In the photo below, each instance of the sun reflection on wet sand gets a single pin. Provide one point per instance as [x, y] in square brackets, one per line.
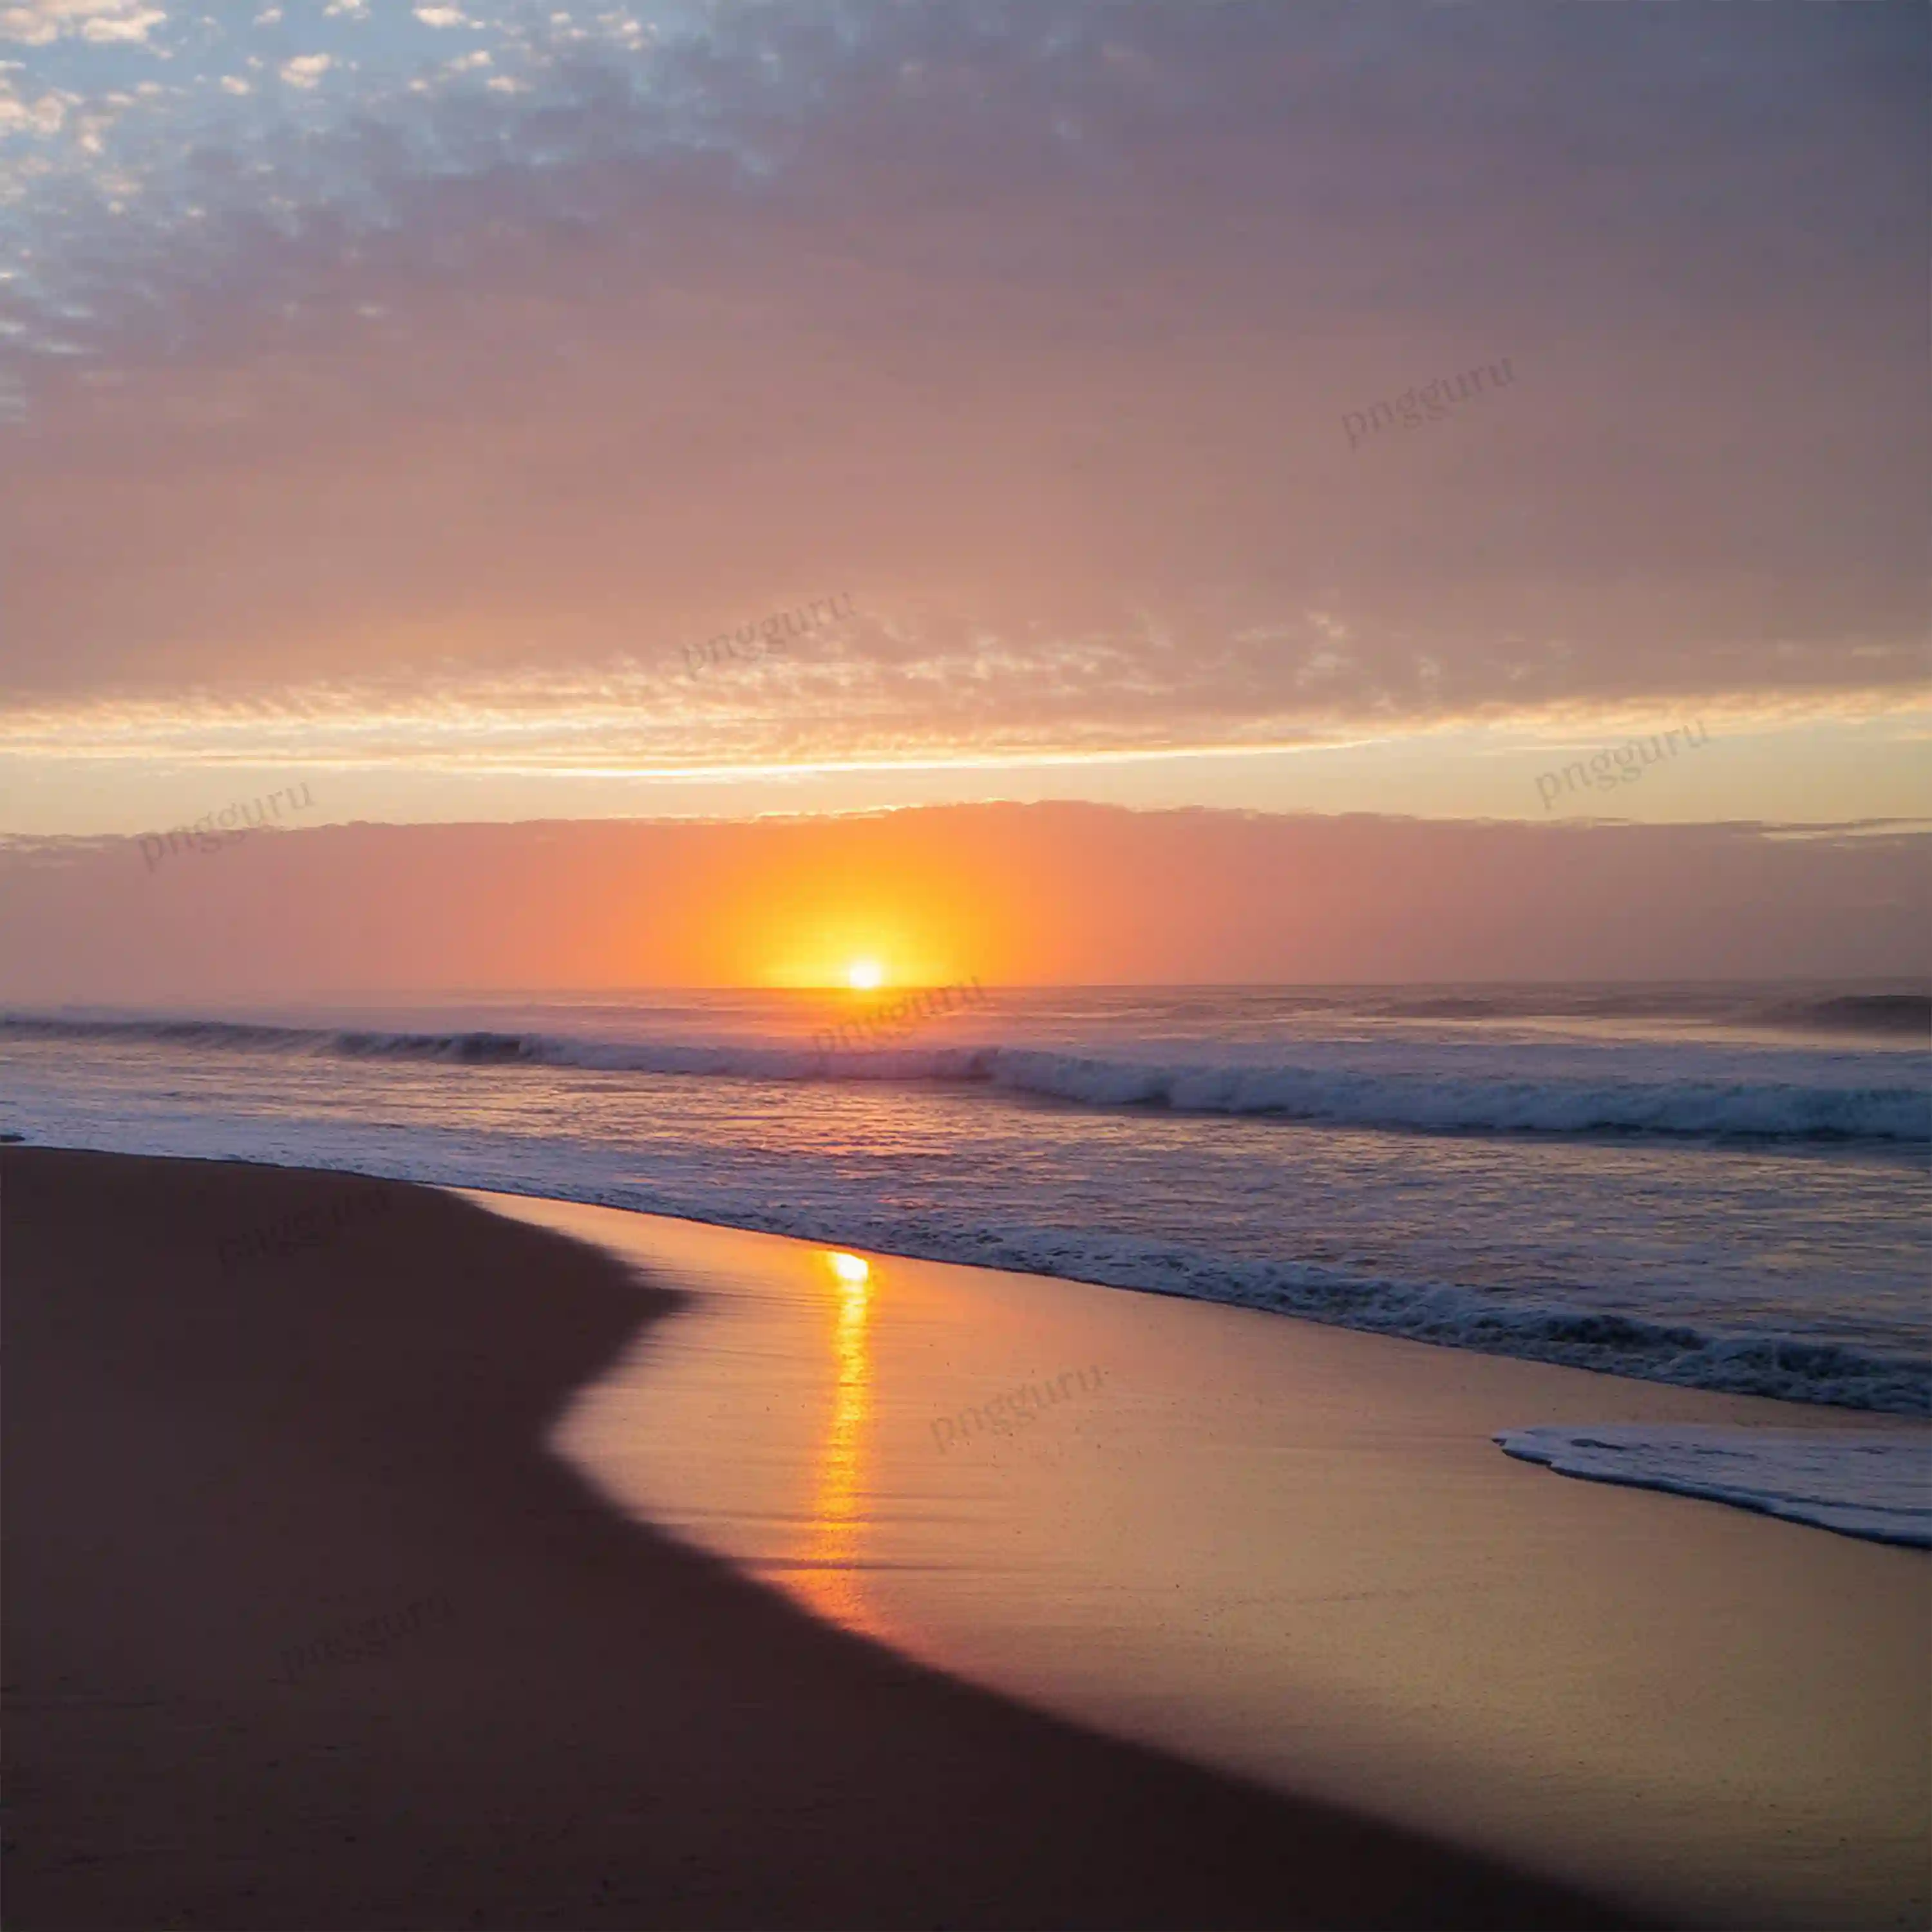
[1293, 1552]
[826, 1577]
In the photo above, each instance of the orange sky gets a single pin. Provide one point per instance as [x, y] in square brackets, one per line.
[1066, 894]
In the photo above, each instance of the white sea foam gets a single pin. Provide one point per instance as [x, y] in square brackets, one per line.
[1868, 1482]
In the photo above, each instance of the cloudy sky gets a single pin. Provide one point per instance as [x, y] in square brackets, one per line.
[390, 396]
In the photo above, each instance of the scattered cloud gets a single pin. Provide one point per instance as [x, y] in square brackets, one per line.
[38, 22]
[306, 69]
[413, 407]
[46, 114]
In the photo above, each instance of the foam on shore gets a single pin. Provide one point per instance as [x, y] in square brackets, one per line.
[1866, 1483]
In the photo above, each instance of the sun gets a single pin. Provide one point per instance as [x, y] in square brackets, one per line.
[864, 975]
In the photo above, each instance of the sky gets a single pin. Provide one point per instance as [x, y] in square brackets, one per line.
[480, 414]
[1053, 894]
[397, 398]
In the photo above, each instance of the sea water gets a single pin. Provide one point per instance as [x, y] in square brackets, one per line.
[1722, 1186]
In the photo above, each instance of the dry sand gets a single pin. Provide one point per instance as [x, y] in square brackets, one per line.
[304, 1628]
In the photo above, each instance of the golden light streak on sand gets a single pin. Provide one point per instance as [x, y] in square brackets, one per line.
[827, 1577]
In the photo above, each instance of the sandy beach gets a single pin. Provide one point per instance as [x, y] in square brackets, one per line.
[305, 1627]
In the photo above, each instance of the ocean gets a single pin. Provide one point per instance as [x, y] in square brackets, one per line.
[1723, 1187]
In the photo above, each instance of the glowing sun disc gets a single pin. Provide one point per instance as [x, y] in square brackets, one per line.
[864, 975]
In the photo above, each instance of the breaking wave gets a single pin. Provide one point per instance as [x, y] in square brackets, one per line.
[1793, 1368]
[1427, 1099]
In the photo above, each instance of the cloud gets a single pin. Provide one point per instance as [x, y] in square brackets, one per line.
[417, 414]
[306, 69]
[44, 115]
[38, 22]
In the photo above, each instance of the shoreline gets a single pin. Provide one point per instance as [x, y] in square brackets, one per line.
[1299, 1553]
[1919, 1411]
[207, 1468]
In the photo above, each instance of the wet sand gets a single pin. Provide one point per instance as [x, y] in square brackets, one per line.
[304, 1627]
[1295, 1552]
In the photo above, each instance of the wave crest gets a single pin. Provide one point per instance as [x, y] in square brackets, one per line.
[1431, 1101]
